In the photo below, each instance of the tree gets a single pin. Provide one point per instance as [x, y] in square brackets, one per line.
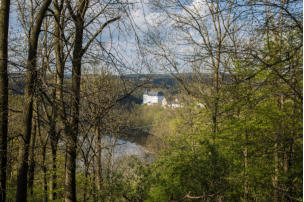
[204, 31]
[31, 76]
[4, 23]
[191, 166]
[71, 131]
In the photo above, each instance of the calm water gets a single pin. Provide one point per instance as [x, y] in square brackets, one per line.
[123, 147]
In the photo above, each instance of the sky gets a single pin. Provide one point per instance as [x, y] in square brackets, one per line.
[123, 43]
[138, 42]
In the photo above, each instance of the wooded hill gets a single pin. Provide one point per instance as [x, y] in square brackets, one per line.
[236, 67]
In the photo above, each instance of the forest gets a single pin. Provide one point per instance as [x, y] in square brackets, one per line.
[72, 78]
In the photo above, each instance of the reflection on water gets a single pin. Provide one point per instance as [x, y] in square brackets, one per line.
[120, 148]
[114, 151]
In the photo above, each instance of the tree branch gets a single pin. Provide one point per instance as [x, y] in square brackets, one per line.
[98, 32]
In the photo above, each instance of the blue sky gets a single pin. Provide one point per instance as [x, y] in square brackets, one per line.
[128, 41]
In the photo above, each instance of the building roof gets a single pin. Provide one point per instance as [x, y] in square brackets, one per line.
[154, 93]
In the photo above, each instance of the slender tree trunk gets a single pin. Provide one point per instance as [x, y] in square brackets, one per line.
[53, 186]
[276, 171]
[44, 169]
[94, 182]
[276, 156]
[31, 74]
[72, 129]
[215, 112]
[43, 144]
[289, 153]
[54, 142]
[25, 141]
[59, 54]
[246, 189]
[217, 23]
[58, 93]
[4, 23]
[71, 136]
[98, 161]
[86, 174]
[32, 161]
[70, 168]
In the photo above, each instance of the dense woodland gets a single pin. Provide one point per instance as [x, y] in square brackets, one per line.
[72, 74]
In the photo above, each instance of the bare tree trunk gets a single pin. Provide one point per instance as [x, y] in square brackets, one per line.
[86, 174]
[280, 133]
[246, 189]
[98, 159]
[32, 161]
[289, 153]
[216, 61]
[4, 23]
[72, 129]
[94, 182]
[70, 184]
[54, 142]
[59, 18]
[21, 194]
[276, 170]
[58, 93]
[276, 164]
[43, 144]
[70, 169]
[44, 169]
[215, 112]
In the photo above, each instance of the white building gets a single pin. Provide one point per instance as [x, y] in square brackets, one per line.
[152, 97]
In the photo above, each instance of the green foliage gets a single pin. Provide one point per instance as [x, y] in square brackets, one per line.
[136, 182]
[181, 171]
